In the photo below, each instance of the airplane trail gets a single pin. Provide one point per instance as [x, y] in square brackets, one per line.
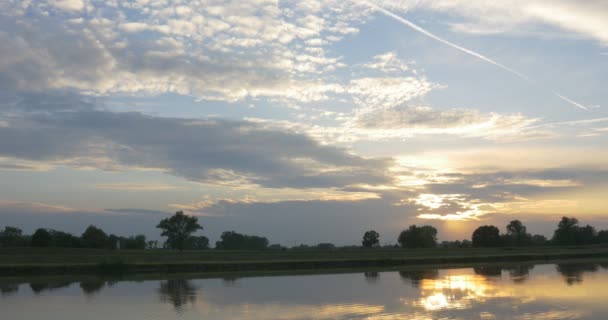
[468, 51]
[574, 122]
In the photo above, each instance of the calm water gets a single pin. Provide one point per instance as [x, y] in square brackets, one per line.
[568, 291]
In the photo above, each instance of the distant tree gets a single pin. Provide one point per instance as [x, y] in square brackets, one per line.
[565, 234]
[301, 247]
[94, 237]
[539, 240]
[199, 243]
[137, 242]
[326, 246]
[585, 235]
[231, 240]
[602, 236]
[11, 236]
[569, 233]
[178, 229]
[64, 239]
[486, 236]
[418, 237]
[42, 238]
[276, 246]
[152, 244]
[371, 239]
[456, 244]
[517, 235]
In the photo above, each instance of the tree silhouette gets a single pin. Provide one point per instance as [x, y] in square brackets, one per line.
[94, 237]
[200, 243]
[418, 237]
[569, 233]
[517, 235]
[178, 229]
[371, 239]
[231, 240]
[486, 236]
[11, 236]
[42, 238]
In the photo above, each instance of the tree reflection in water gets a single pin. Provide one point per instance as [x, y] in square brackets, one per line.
[573, 273]
[91, 287]
[7, 289]
[415, 276]
[178, 293]
[519, 273]
[371, 276]
[39, 287]
[488, 271]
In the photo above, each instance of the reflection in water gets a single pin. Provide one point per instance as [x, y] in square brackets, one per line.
[7, 289]
[230, 281]
[177, 292]
[92, 287]
[453, 292]
[519, 273]
[573, 273]
[466, 293]
[415, 276]
[38, 287]
[371, 276]
[488, 271]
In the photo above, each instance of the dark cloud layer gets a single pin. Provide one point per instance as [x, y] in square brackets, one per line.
[220, 151]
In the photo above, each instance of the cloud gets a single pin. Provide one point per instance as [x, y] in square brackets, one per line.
[129, 186]
[215, 50]
[216, 151]
[401, 122]
[388, 62]
[587, 19]
[68, 5]
[372, 93]
[137, 211]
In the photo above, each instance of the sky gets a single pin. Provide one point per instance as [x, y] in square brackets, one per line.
[303, 121]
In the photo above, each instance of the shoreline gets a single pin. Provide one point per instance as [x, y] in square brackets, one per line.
[124, 263]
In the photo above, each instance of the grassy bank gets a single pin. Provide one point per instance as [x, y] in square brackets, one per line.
[29, 261]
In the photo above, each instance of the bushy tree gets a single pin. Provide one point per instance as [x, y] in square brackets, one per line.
[371, 239]
[565, 234]
[418, 237]
[517, 235]
[11, 237]
[602, 236]
[231, 240]
[64, 239]
[178, 228]
[42, 238]
[569, 233]
[486, 236]
[326, 246]
[94, 237]
[539, 240]
[199, 243]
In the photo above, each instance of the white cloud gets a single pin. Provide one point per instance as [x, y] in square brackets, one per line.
[68, 5]
[388, 63]
[585, 18]
[386, 92]
[406, 122]
[218, 50]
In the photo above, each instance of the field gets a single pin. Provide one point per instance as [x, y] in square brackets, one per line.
[17, 261]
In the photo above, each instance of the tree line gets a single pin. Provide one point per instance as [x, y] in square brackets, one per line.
[179, 229]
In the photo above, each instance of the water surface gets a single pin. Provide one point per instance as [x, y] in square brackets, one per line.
[565, 291]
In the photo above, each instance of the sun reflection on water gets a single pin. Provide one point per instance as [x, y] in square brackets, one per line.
[455, 292]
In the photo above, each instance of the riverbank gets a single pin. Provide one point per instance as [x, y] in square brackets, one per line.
[60, 261]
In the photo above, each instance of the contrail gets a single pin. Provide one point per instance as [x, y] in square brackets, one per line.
[467, 51]
[574, 122]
